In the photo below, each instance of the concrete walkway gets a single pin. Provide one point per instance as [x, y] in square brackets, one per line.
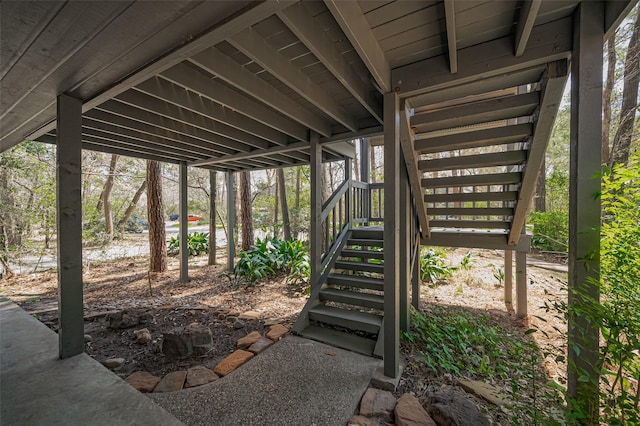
[295, 382]
[37, 388]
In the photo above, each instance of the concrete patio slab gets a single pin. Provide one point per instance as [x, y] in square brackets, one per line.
[294, 382]
[37, 388]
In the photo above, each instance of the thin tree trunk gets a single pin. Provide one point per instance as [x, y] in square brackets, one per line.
[606, 98]
[212, 217]
[132, 206]
[540, 204]
[297, 215]
[286, 224]
[622, 140]
[106, 197]
[275, 209]
[245, 207]
[155, 215]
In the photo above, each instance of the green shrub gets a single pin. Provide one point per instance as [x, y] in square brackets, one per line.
[271, 255]
[197, 243]
[550, 230]
[433, 266]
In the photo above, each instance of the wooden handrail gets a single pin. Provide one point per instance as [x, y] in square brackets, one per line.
[333, 199]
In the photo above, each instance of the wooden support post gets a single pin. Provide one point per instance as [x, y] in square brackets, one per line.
[315, 237]
[584, 205]
[391, 234]
[69, 214]
[415, 279]
[521, 284]
[365, 176]
[231, 223]
[348, 171]
[184, 223]
[213, 188]
[508, 277]
[405, 243]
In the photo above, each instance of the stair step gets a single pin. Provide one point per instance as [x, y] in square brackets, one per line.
[473, 180]
[353, 281]
[476, 224]
[472, 196]
[493, 159]
[354, 320]
[364, 242]
[339, 339]
[471, 211]
[353, 298]
[359, 266]
[368, 233]
[364, 254]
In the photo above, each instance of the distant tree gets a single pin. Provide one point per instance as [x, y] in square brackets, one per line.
[106, 197]
[286, 223]
[155, 216]
[122, 223]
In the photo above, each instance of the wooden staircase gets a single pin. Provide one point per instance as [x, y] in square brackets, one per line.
[346, 310]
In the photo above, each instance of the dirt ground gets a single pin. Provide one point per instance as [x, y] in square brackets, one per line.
[215, 299]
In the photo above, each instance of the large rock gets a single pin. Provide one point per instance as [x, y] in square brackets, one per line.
[126, 319]
[198, 376]
[187, 341]
[232, 362]
[409, 412]
[143, 381]
[248, 340]
[276, 332]
[448, 408]
[377, 403]
[171, 382]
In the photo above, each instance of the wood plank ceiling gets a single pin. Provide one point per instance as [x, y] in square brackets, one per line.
[232, 85]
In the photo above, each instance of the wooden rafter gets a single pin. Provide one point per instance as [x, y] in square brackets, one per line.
[452, 42]
[528, 14]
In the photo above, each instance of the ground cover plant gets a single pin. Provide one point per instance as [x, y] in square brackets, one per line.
[272, 255]
[197, 244]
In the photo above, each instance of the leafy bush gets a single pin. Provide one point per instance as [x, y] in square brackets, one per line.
[197, 243]
[271, 255]
[433, 266]
[550, 230]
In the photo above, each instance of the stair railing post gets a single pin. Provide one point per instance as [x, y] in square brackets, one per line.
[391, 234]
[405, 241]
[231, 219]
[348, 172]
[315, 237]
[365, 176]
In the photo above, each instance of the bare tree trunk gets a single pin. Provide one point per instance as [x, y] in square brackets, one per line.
[540, 204]
[622, 140]
[297, 216]
[132, 206]
[606, 98]
[373, 177]
[276, 207]
[213, 190]
[155, 215]
[286, 224]
[106, 197]
[245, 207]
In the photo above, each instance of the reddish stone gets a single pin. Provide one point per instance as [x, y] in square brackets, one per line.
[377, 403]
[409, 412]
[171, 382]
[143, 381]
[276, 332]
[199, 375]
[249, 339]
[232, 362]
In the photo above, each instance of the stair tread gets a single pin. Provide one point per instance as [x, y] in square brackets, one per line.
[353, 298]
[356, 281]
[362, 253]
[340, 339]
[353, 315]
[353, 264]
[364, 242]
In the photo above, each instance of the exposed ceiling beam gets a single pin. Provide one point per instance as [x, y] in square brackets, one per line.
[315, 39]
[552, 89]
[355, 26]
[122, 114]
[348, 136]
[528, 15]
[342, 149]
[254, 46]
[406, 141]
[548, 42]
[227, 69]
[450, 19]
[171, 101]
[252, 154]
[614, 13]
[115, 124]
[252, 14]
[196, 81]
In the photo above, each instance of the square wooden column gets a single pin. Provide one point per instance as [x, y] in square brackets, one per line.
[69, 220]
[521, 284]
[184, 223]
[508, 277]
[584, 205]
[213, 188]
[391, 235]
[365, 176]
[315, 237]
[405, 244]
[231, 223]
